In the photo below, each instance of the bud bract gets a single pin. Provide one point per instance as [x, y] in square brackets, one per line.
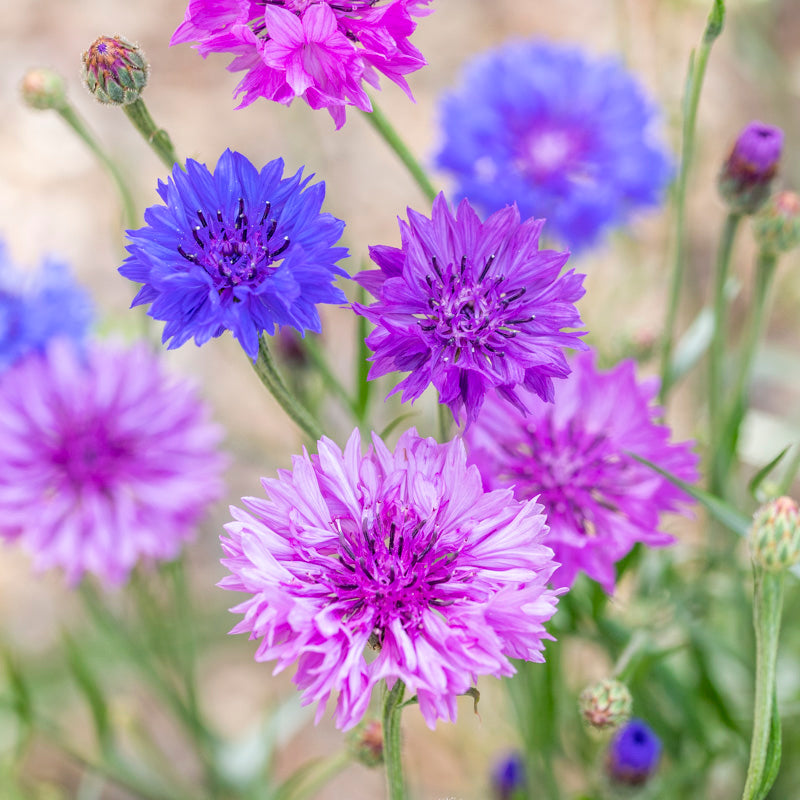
[606, 705]
[775, 535]
[745, 180]
[633, 754]
[114, 70]
[366, 743]
[777, 226]
[43, 88]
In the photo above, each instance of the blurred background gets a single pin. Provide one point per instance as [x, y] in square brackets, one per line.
[54, 198]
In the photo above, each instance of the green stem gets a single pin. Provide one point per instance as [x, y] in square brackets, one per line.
[266, 370]
[380, 122]
[767, 606]
[74, 120]
[716, 360]
[363, 383]
[156, 137]
[443, 416]
[392, 749]
[691, 100]
[317, 358]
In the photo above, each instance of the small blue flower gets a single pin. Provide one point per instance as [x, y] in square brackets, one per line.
[564, 135]
[508, 777]
[633, 753]
[37, 307]
[235, 249]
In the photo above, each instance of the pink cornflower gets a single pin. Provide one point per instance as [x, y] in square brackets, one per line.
[320, 50]
[401, 554]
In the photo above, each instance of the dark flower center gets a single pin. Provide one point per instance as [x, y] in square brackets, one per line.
[235, 252]
[471, 312]
[89, 456]
[391, 568]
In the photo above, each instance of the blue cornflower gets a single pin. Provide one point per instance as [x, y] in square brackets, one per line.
[37, 307]
[235, 249]
[564, 135]
[633, 754]
[508, 777]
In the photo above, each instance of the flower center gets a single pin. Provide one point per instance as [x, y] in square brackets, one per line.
[392, 568]
[235, 252]
[88, 456]
[471, 312]
[547, 152]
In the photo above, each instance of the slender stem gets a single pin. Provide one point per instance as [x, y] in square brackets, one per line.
[156, 137]
[767, 606]
[691, 100]
[392, 749]
[317, 358]
[363, 383]
[74, 120]
[443, 416]
[266, 370]
[716, 360]
[380, 122]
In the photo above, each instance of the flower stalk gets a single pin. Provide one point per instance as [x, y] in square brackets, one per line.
[156, 137]
[392, 745]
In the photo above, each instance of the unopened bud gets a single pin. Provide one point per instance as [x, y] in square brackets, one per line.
[114, 70]
[43, 88]
[606, 705]
[366, 743]
[777, 226]
[775, 535]
[633, 754]
[745, 180]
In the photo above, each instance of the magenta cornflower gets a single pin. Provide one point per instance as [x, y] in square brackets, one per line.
[105, 460]
[401, 552]
[320, 50]
[470, 306]
[574, 455]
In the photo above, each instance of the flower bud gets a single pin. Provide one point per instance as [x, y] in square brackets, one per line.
[43, 88]
[777, 227]
[366, 743]
[508, 778]
[746, 177]
[775, 535]
[606, 704]
[114, 70]
[633, 754]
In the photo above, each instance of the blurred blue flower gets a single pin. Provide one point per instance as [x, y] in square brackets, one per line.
[39, 306]
[508, 777]
[567, 136]
[633, 753]
[235, 249]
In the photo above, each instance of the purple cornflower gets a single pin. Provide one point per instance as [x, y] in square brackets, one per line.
[633, 754]
[575, 455]
[320, 50]
[36, 307]
[564, 135]
[236, 249]
[401, 552]
[470, 306]
[105, 460]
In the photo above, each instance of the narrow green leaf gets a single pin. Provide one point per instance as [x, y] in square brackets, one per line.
[693, 344]
[759, 477]
[395, 422]
[773, 762]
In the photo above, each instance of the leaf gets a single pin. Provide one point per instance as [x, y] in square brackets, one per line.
[692, 344]
[759, 477]
[395, 422]
[772, 764]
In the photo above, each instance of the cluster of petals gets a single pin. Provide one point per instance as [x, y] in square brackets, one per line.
[105, 460]
[471, 306]
[320, 50]
[236, 249]
[562, 133]
[36, 306]
[576, 456]
[399, 554]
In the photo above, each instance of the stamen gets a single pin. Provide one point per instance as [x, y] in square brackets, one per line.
[188, 256]
[281, 248]
[267, 207]
[489, 262]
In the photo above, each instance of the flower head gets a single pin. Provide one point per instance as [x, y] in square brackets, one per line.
[633, 754]
[508, 777]
[114, 70]
[402, 552]
[777, 225]
[104, 459]
[235, 249]
[605, 704]
[469, 306]
[320, 50]
[564, 135]
[576, 456]
[36, 307]
[774, 536]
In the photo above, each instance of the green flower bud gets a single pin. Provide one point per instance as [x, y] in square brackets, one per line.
[777, 227]
[775, 535]
[606, 705]
[42, 88]
[366, 743]
[114, 70]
